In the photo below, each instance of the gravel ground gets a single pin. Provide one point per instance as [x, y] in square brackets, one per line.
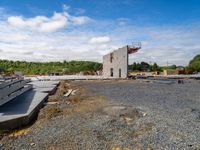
[115, 115]
[174, 109]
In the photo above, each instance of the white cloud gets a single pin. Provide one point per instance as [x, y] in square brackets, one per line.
[100, 39]
[123, 21]
[66, 7]
[58, 21]
[80, 20]
[28, 53]
[79, 11]
[44, 24]
[16, 21]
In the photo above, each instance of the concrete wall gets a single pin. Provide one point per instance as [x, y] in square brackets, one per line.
[119, 61]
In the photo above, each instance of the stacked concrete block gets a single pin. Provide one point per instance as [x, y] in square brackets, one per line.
[10, 89]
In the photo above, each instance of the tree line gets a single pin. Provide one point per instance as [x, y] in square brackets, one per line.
[144, 66]
[193, 66]
[70, 67]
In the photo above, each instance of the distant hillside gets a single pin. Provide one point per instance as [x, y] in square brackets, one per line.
[70, 67]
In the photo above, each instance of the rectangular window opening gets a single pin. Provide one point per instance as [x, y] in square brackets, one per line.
[111, 57]
[111, 72]
[120, 73]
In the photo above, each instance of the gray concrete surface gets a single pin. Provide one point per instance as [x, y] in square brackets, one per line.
[14, 94]
[68, 77]
[12, 88]
[19, 111]
[45, 86]
[4, 83]
[5, 91]
[23, 108]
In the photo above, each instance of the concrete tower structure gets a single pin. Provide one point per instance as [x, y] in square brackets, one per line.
[115, 64]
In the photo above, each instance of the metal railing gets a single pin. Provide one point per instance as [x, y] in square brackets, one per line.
[135, 45]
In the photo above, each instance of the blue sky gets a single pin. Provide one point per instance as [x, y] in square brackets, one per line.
[53, 30]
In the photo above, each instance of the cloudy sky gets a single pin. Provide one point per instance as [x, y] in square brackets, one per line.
[57, 30]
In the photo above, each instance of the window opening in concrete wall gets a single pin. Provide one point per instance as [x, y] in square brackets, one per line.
[111, 57]
[111, 72]
[120, 72]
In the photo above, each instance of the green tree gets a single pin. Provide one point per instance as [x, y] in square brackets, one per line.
[2, 69]
[195, 63]
[134, 66]
[145, 66]
[173, 67]
[155, 67]
[47, 67]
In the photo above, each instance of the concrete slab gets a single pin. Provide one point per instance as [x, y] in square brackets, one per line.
[4, 83]
[21, 110]
[5, 91]
[49, 90]
[44, 83]
[45, 86]
[68, 77]
[11, 88]
[14, 94]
